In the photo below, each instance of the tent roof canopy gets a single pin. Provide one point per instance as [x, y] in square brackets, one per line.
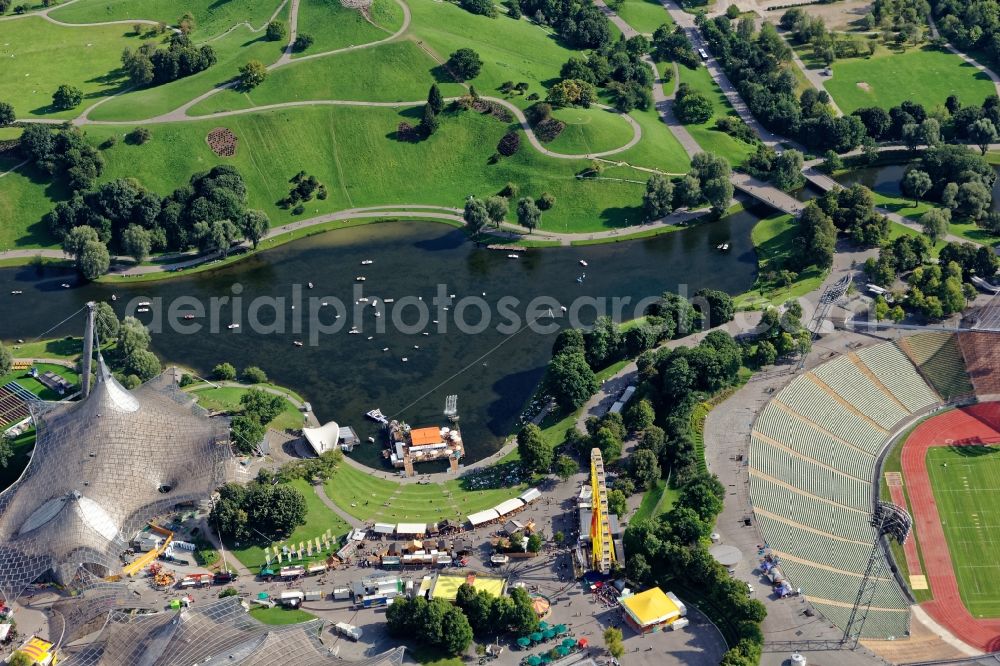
[651, 607]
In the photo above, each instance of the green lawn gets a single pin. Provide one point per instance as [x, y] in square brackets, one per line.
[656, 501]
[333, 26]
[590, 130]
[319, 519]
[372, 498]
[23, 378]
[644, 15]
[280, 615]
[772, 240]
[69, 348]
[22, 447]
[227, 398]
[403, 71]
[211, 16]
[39, 56]
[511, 50]
[340, 145]
[232, 50]
[965, 495]
[709, 138]
[658, 149]
[925, 75]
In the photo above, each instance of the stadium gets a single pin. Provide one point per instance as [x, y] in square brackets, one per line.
[844, 454]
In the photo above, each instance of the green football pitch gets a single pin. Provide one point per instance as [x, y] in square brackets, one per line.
[965, 482]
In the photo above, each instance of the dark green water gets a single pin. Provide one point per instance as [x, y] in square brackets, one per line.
[493, 373]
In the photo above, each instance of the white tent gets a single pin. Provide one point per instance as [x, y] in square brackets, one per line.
[384, 528]
[415, 529]
[508, 506]
[530, 495]
[483, 517]
[324, 438]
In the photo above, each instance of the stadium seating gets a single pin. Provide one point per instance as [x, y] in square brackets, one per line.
[890, 367]
[938, 358]
[982, 358]
[857, 388]
[812, 458]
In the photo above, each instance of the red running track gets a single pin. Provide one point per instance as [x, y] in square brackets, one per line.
[967, 426]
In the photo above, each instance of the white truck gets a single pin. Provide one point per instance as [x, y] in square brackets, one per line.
[314, 595]
[291, 598]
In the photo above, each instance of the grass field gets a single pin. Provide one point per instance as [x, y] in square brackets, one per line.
[590, 130]
[339, 146]
[511, 50]
[926, 75]
[38, 57]
[280, 615]
[68, 348]
[965, 495]
[403, 71]
[658, 149]
[227, 398]
[233, 51]
[772, 239]
[319, 519]
[28, 382]
[709, 138]
[333, 26]
[655, 502]
[644, 15]
[211, 16]
[372, 498]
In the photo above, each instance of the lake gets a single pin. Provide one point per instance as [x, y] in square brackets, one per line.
[343, 375]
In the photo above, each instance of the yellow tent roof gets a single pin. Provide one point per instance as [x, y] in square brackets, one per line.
[651, 607]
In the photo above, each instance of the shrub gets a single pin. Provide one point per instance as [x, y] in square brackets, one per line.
[548, 130]
[546, 201]
[254, 375]
[224, 371]
[509, 144]
[140, 135]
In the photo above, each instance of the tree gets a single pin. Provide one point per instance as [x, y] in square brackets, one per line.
[691, 106]
[455, 631]
[94, 260]
[639, 415]
[613, 642]
[67, 97]
[187, 23]
[787, 173]
[434, 99]
[522, 618]
[254, 375]
[254, 225]
[229, 592]
[496, 209]
[535, 542]
[276, 31]
[716, 307]
[77, 238]
[6, 360]
[252, 75]
[476, 216]
[617, 503]
[982, 133]
[247, 433]
[935, 223]
[464, 64]
[973, 199]
[18, 658]
[915, 184]
[536, 453]
[659, 196]
[106, 323]
[7, 116]
[644, 468]
[224, 371]
[528, 214]
[565, 466]
[137, 242]
[570, 380]
[261, 404]
[429, 122]
[302, 42]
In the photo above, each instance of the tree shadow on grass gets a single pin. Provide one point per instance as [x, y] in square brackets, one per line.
[974, 450]
[622, 217]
